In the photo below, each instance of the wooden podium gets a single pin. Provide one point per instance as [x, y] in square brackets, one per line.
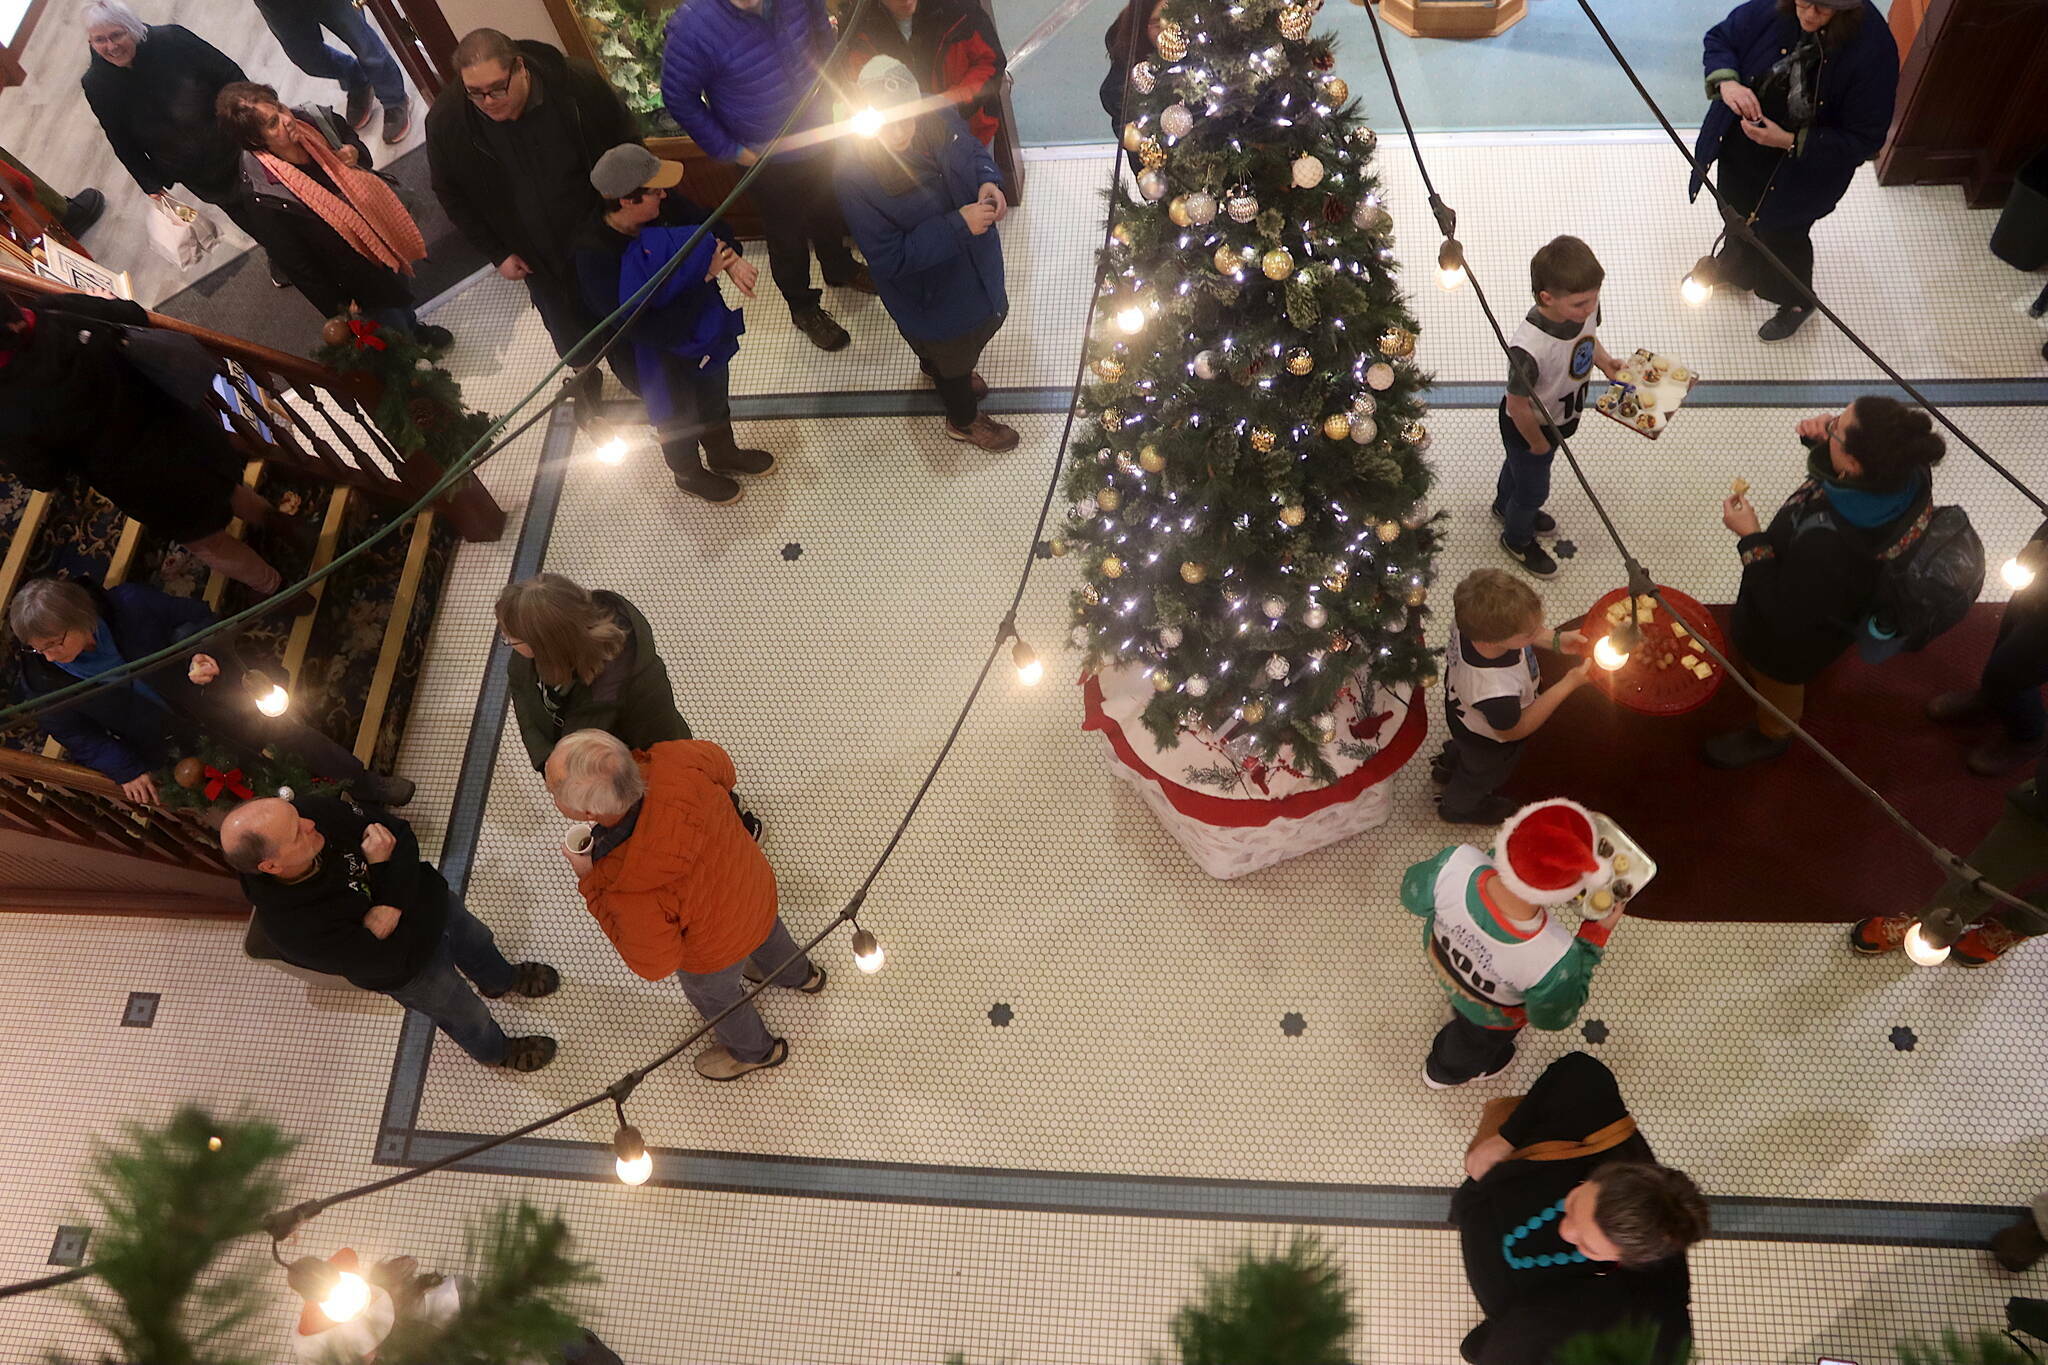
[1453, 18]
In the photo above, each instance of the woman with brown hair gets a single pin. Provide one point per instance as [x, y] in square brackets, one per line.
[583, 661]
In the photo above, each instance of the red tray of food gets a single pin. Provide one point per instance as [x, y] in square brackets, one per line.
[1657, 680]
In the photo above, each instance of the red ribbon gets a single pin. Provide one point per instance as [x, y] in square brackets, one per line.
[365, 333]
[231, 781]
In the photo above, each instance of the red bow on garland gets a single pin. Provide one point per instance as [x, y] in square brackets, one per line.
[365, 333]
[230, 781]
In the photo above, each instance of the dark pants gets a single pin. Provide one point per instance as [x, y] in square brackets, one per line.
[2011, 682]
[1465, 1051]
[562, 312]
[232, 718]
[701, 406]
[1475, 769]
[1524, 483]
[800, 214]
[444, 997]
[742, 1031]
[296, 24]
[1746, 178]
[950, 364]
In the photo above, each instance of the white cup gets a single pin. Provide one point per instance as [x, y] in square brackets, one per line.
[579, 838]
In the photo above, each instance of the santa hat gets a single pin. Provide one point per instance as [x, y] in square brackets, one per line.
[1549, 852]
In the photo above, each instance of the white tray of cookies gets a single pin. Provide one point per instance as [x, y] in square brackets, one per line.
[1647, 393]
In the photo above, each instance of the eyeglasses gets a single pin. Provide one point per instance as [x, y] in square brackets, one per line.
[496, 91]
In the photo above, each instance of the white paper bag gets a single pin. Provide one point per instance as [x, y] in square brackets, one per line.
[180, 233]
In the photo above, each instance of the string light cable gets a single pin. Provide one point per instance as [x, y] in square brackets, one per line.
[1640, 584]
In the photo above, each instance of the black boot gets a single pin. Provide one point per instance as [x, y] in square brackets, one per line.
[723, 453]
[85, 209]
[693, 478]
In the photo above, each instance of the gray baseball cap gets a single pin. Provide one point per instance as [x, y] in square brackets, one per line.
[629, 167]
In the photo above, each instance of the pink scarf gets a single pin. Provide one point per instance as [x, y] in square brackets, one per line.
[366, 214]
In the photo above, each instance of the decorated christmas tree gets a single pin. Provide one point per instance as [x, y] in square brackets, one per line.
[1248, 474]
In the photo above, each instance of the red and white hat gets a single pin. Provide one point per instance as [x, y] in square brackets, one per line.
[1549, 852]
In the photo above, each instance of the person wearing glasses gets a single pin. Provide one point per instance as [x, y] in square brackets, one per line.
[1810, 577]
[510, 146]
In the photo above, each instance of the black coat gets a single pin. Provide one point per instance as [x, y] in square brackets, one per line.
[72, 406]
[312, 255]
[158, 111]
[470, 179]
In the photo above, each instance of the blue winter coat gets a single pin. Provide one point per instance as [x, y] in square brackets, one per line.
[1859, 83]
[937, 279]
[730, 78]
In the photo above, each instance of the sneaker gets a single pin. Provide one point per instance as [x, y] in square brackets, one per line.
[1434, 1084]
[740, 461]
[1491, 810]
[1740, 748]
[1997, 757]
[861, 280]
[984, 433]
[388, 792]
[362, 102]
[1783, 323]
[1532, 558]
[1952, 707]
[716, 1063]
[277, 279]
[813, 983]
[533, 981]
[754, 825]
[1879, 934]
[397, 122]
[1546, 525]
[434, 338]
[1984, 944]
[817, 324]
[715, 489]
[2019, 1246]
[530, 1053]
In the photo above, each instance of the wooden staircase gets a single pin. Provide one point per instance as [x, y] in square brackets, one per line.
[350, 665]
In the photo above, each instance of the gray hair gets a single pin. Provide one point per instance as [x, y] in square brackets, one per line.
[597, 773]
[94, 13]
[44, 607]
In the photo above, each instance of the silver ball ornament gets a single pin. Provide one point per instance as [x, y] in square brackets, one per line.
[1152, 185]
[1277, 668]
[1176, 120]
[1197, 686]
[1201, 208]
[1143, 77]
[1274, 608]
[1315, 618]
[1170, 636]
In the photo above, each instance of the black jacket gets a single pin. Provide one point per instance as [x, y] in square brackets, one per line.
[469, 177]
[312, 255]
[318, 923]
[158, 111]
[72, 406]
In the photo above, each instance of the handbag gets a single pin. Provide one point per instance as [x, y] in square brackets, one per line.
[1497, 1111]
[180, 233]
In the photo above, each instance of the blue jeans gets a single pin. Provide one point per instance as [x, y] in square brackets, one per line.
[447, 999]
[297, 23]
[1524, 483]
[742, 1031]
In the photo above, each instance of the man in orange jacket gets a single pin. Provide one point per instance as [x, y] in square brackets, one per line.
[678, 885]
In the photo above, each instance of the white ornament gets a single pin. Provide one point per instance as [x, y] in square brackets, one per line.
[1363, 429]
[1274, 607]
[1380, 375]
[1079, 635]
[285, 794]
[1197, 686]
[1276, 668]
[1308, 172]
[1170, 636]
[1200, 208]
[1176, 120]
[1371, 217]
[1152, 185]
[1143, 77]
[1315, 618]
[1208, 365]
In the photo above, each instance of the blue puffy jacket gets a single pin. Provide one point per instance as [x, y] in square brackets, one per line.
[730, 77]
[1859, 84]
[938, 279]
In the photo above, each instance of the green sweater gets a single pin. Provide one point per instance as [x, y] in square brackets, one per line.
[631, 698]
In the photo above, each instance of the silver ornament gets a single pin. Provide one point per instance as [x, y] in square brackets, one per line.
[1079, 635]
[1241, 206]
[1143, 77]
[1380, 375]
[1274, 607]
[1208, 365]
[1152, 185]
[1364, 405]
[1276, 668]
[1170, 636]
[1371, 217]
[1176, 120]
[1363, 429]
[1315, 618]
[1200, 208]
[1197, 686]
[1416, 515]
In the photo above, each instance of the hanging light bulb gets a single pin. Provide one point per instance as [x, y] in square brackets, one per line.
[1608, 653]
[1698, 285]
[867, 952]
[270, 698]
[1029, 670]
[2016, 574]
[340, 1294]
[1450, 264]
[632, 1160]
[1921, 947]
[612, 451]
[868, 122]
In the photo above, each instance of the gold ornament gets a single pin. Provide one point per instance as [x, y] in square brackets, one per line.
[1110, 368]
[1417, 596]
[1388, 531]
[1150, 460]
[1112, 419]
[1336, 89]
[1150, 154]
[1172, 41]
[1132, 137]
[1191, 572]
[1120, 234]
[1263, 439]
[1091, 594]
[1415, 434]
[1241, 206]
[1295, 21]
[1254, 712]
[1293, 514]
[1397, 343]
[1277, 263]
[1177, 211]
[1337, 426]
[335, 331]
[1299, 361]
[1109, 500]
[1160, 682]
[1339, 643]
[1226, 260]
[1058, 547]
[1112, 567]
[190, 771]
[1336, 581]
[1127, 462]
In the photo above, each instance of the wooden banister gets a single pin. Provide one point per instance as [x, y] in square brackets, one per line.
[56, 772]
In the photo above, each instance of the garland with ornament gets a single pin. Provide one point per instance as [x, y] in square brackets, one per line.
[211, 776]
[419, 404]
[1248, 479]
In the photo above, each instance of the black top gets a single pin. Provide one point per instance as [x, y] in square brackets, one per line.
[1530, 1313]
[157, 111]
[551, 195]
[318, 922]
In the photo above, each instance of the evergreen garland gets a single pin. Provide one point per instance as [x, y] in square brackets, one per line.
[1633, 1343]
[419, 404]
[1289, 1309]
[1986, 1348]
[263, 775]
[513, 1298]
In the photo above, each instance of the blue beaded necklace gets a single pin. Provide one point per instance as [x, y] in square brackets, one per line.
[1507, 1243]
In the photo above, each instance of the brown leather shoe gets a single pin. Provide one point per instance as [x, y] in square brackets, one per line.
[861, 280]
[985, 433]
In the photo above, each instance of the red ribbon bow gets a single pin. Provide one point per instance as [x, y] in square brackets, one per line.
[365, 333]
[231, 781]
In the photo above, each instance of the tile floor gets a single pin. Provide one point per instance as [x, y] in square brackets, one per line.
[1065, 994]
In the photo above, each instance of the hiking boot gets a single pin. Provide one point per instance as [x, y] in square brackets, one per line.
[860, 280]
[817, 324]
[724, 454]
[362, 102]
[1984, 944]
[530, 1053]
[1489, 810]
[533, 980]
[1546, 525]
[2020, 1245]
[1740, 748]
[700, 482]
[1532, 558]
[1783, 323]
[1997, 757]
[83, 211]
[813, 983]
[379, 790]
[1879, 934]
[984, 433]
[397, 122]
[1952, 707]
[716, 1063]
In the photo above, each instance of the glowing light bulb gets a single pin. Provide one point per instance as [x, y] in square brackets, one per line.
[213, 1144]
[2016, 574]
[1698, 285]
[868, 122]
[611, 452]
[1131, 320]
[1608, 653]
[1922, 949]
[1029, 670]
[632, 1160]
[867, 952]
[274, 703]
[1453, 278]
[349, 1297]
[1450, 264]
